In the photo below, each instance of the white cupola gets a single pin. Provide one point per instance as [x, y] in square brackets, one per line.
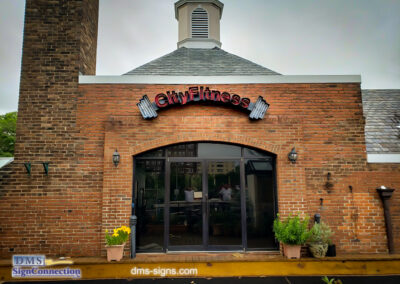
[199, 23]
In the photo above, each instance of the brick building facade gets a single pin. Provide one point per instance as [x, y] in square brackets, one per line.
[75, 123]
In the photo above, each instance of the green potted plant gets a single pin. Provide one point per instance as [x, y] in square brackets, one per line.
[116, 243]
[319, 239]
[292, 232]
[331, 281]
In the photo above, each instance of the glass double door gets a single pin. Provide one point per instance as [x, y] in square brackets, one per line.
[204, 205]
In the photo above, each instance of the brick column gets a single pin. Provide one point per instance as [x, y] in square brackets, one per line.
[60, 39]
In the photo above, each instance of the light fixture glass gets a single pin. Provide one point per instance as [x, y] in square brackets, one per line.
[116, 158]
[293, 156]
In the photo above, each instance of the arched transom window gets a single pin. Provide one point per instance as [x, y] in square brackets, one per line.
[199, 23]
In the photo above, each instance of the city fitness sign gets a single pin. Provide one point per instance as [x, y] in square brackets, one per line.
[201, 94]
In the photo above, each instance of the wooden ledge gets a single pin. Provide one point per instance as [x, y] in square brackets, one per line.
[209, 265]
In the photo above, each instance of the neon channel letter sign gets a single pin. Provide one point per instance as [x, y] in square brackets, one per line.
[201, 94]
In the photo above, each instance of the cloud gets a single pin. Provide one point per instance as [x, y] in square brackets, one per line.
[290, 37]
[11, 26]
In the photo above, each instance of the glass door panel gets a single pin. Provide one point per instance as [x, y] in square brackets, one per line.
[185, 204]
[260, 203]
[150, 204]
[205, 196]
[224, 206]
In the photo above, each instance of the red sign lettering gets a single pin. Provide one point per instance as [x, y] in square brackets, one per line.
[199, 93]
[161, 100]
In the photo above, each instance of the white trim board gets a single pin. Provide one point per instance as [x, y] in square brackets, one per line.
[383, 158]
[4, 161]
[207, 43]
[271, 79]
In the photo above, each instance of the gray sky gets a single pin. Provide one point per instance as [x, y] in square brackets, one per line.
[292, 37]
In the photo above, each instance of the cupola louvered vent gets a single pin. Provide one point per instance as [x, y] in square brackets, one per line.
[199, 23]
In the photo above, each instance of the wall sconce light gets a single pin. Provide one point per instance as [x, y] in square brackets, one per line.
[46, 168]
[28, 168]
[293, 156]
[328, 183]
[385, 194]
[116, 158]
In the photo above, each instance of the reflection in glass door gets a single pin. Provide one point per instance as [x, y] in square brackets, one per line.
[205, 196]
[260, 203]
[186, 204]
[224, 206]
[150, 196]
[204, 205]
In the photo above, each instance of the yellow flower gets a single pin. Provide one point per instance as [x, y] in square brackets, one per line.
[106, 231]
[115, 235]
[123, 229]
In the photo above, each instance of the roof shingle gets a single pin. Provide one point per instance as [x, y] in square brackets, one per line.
[200, 62]
[382, 120]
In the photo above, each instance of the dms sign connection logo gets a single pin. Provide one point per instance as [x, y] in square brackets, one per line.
[29, 260]
[31, 266]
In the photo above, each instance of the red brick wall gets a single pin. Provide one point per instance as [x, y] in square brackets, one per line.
[88, 37]
[323, 121]
[388, 175]
[76, 129]
[59, 213]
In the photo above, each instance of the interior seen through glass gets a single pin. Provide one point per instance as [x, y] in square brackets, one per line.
[201, 196]
[185, 206]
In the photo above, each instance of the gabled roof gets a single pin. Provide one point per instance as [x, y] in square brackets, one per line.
[382, 125]
[200, 62]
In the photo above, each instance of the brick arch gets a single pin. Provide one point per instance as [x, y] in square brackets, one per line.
[210, 137]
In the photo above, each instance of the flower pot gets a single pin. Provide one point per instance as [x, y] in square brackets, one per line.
[331, 250]
[291, 251]
[318, 250]
[115, 252]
